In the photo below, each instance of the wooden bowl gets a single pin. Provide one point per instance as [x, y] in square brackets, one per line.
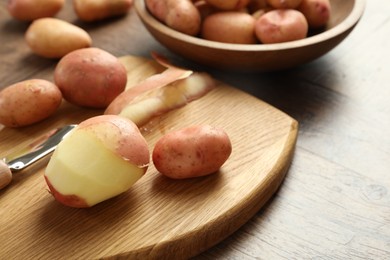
[258, 57]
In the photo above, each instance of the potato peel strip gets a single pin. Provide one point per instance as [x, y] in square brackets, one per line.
[161, 93]
[170, 97]
[168, 76]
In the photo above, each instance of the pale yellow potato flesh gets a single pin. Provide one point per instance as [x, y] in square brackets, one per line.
[141, 111]
[90, 171]
[164, 99]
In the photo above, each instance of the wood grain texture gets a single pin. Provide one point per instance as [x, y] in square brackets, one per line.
[335, 200]
[157, 218]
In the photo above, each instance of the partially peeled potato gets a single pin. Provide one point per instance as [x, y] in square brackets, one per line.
[100, 159]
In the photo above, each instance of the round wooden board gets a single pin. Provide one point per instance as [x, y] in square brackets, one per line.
[157, 218]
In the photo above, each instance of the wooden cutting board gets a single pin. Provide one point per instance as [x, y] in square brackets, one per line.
[157, 218]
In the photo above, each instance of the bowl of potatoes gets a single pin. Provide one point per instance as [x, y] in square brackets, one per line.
[250, 35]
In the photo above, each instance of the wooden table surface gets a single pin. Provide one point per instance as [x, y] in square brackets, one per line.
[335, 200]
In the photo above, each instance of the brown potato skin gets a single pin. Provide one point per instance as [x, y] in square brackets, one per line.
[204, 8]
[191, 152]
[180, 15]
[94, 10]
[284, 4]
[281, 25]
[90, 77]
[255, 5]
[54, 38]
[29, 10]
[28, 102]
[157, 8]
[317, 12]
[228, 5]
[230, 27]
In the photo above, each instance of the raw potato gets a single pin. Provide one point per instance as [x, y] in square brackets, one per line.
[94, 10]
[90, 77]
[281, 25]
[255, 5]
[259, 13]
[192, 152]
[99, 159]
[228, 5]
[204, 8]
[54, 38]
[28, 102]
[5, 174]
[180, 15]
[284, 4]
[230, 27]
[28, 10]
[317, 12]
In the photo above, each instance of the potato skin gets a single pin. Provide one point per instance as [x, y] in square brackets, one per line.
[28, 102]
[317, 12]
[94, 10]
[121, 136]
[230, 27]
[281, 25]
[228, 5]
[284, 4]
[27, 10]
[204, 8]
[192, 152]
[115, 156]
[255, 5]
[180, 15]
[54, 38]
[90, 77]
